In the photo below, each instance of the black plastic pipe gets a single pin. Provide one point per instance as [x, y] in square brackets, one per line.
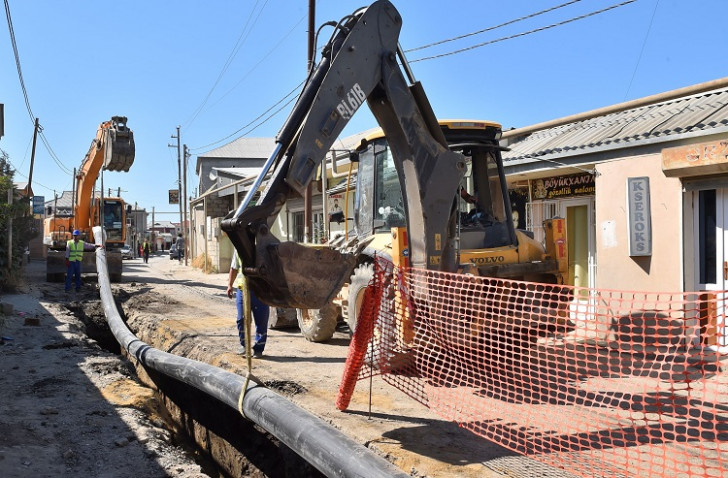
[326, 448]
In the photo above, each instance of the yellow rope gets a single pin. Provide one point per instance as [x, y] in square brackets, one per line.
[247, 315]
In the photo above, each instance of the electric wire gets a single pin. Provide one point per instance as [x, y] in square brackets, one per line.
[303, 83]
[338, 25]
[199, 148]
[254, 67]
[233, 53]
[25, 176]
[17, 60]
[642, 50]
[16, 54]
[510, 22]
[52, 154]
[517, 35]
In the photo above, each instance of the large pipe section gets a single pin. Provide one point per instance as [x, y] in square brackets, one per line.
[326, 448]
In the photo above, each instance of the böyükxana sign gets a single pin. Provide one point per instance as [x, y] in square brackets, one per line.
[638, 219]
[563, 186]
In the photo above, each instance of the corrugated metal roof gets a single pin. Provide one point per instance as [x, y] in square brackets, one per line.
[243, 148]
[239, 173]
[64, 204]
[628, 128]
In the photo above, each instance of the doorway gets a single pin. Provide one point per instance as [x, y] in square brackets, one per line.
[579, 214]
[710, 234]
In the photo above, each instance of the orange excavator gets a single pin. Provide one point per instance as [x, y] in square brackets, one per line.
[113, 150]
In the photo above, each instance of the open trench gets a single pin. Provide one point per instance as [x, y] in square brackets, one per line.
[216, 436]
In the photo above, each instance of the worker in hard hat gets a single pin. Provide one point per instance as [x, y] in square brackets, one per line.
[74, 255]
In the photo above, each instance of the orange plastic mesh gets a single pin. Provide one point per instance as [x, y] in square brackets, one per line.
[597, 382]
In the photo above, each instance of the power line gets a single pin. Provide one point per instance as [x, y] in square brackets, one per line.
[35, 182]
[25, 91]
[644, 42]
[460, 37]
[254, 120]
[253, 68]
[17, 60]
[517, 35]
[581, 17]
[53, 154]
[238, 44]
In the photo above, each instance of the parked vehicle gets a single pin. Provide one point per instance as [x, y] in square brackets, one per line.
[126, 252]
[174, 253]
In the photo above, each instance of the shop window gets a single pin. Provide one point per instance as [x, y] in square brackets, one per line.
[298, 226]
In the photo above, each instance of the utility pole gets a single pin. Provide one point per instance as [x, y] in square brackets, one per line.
[73, 198]
[185, 227]
[10, 229]
[308, 195]
[151, 231]
[32, 161]
[179, 175]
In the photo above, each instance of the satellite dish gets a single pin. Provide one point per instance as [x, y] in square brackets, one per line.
[213, 174]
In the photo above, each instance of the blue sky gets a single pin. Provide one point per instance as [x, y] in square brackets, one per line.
[213, 67]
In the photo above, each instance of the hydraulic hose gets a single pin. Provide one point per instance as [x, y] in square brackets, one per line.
[326, 448]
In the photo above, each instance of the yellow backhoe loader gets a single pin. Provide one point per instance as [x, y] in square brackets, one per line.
[411, 180]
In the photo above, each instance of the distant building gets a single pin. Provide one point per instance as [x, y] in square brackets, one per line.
[163, 233]
[246, 154]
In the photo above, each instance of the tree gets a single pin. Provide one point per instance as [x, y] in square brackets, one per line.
[22, 225]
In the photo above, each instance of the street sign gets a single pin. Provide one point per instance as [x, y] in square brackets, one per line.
[174, 196]
[38, 203]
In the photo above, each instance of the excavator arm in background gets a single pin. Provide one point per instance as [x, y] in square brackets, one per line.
[113, 150]
[358, 65]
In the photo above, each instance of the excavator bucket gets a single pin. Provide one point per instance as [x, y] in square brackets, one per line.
[120, 146]
[301, 276]
[286, 274]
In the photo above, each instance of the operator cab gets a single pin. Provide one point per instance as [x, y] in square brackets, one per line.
[481, 222]
[113, 219]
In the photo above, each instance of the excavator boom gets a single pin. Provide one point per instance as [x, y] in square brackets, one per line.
[358, 65]
[113, 150]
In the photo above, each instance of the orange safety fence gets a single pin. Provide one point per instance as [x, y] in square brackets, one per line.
[596, 382]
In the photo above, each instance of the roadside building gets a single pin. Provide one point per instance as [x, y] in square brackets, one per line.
[136, 222]
[643, 186]
[222, 172]
[162, 233]
[229, 178]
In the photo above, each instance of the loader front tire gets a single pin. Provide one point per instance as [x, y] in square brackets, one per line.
[318, 325]
[360, 280]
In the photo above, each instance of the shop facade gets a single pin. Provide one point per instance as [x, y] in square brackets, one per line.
[643, 187]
